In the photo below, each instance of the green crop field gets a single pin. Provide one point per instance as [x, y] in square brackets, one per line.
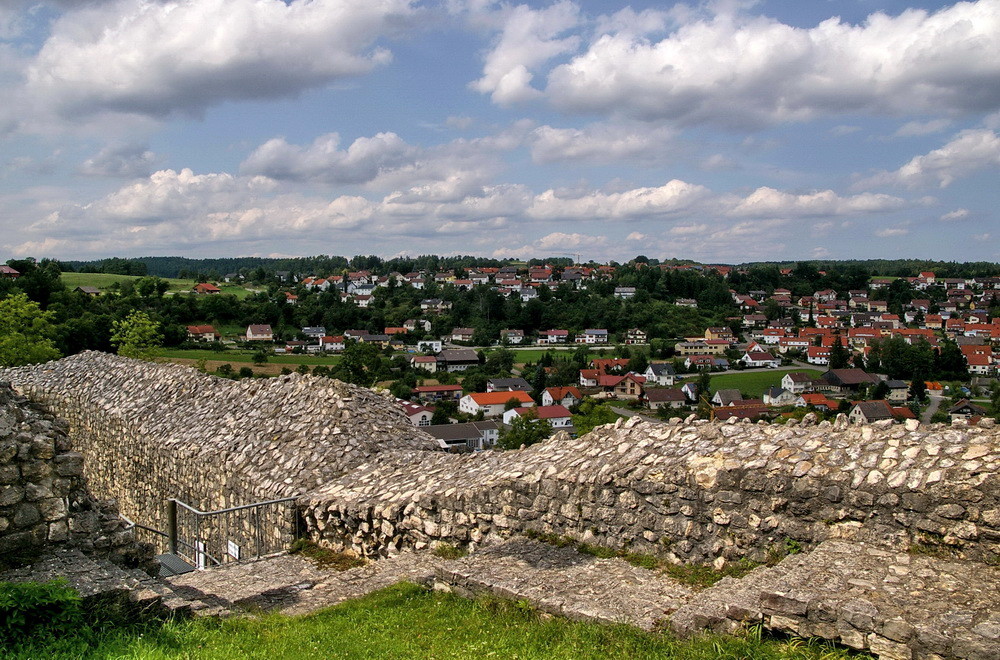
[754, 383]
[247, 357]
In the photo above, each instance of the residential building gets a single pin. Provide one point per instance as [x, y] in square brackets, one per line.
[259, 333]
[473, 436]
[492, 404]
[797, 383]
[202, 333]
[661, 373]
[553, 336]
[458, 359]
[438, 392]
[558, 416]
[661, 397]
[593, 336]
[204, 288]
[564, 396]
[507, 385]
[417, 414]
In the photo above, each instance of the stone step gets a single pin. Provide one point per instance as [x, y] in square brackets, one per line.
[564, 582]
[866, 596]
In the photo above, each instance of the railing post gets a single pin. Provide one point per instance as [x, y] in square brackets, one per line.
[172, 526]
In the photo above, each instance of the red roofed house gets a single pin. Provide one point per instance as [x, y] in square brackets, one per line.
[205, 288]
[417, 414]
[492, 404]
[557, 416]
[438, 392]
[565, 396]
[553, 336]
[202, 333]
[7, 271]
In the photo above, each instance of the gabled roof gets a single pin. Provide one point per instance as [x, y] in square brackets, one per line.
[660, 394]
[546, 412]
[560, 393]
[497, 398]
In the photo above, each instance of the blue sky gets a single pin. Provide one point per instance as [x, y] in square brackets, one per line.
[720, 131]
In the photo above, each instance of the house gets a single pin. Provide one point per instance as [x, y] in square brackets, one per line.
[818, 355]
[204, 288]
[661, 397]
[259, 333]
[635, 336]
[458, 359]
[592, 336]
[435, 305]
[417, 414]
[472, 435]
[727, 397]
[661, 373]
[845, 380]
[438, 392]
[91, 291]
[628, 386]
[817, 401]
[512, 336]
[624, 292]
[759, 359]
[412, 325]
[719, 333]
[965, 410]
[711, 362]
[314, 331]
[779, 396]
[797, 382]
[425, 362]
[589, 377]
[866, 412]
[507, 385]
[558, 416]
[898, 390]
[553, 336]
[462, 334]
[8, 272]
[610, 365]
[202, 333]
[492, 404]
[332, 343]
[564, 396]
[429, 346]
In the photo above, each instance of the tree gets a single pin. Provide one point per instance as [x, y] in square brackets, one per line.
[137, 336]
[839, 356]
[26, 332]
[918, 389]
[524, 430]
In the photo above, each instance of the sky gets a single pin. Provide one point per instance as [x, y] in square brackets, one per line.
[720, 131]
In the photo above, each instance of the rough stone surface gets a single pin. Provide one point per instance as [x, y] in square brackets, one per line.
[44, 500]
[156, 431]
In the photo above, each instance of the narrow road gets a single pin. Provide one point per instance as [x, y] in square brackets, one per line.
[936, 400]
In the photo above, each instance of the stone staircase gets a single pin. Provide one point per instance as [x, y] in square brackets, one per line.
[99, 580]
[867, 596]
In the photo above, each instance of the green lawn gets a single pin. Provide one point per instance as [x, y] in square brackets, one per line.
[408, 621]
[247, 356]
[755, 383]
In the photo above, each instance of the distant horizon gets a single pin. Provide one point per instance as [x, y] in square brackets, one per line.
[726, 130]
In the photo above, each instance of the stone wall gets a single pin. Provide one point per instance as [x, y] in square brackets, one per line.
[43, 495]
[156, 431]
[693, 491]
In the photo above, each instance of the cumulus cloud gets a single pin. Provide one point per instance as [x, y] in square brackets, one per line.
[529, 38]
[671, 198]
[756, 71]
[768, 202]
[892, 232]
[323, 160]
[601, 143]
[968, 152]
[155, 58]
[122, 161]
[918, 128]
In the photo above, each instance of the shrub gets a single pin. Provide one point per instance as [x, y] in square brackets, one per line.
[38, 608]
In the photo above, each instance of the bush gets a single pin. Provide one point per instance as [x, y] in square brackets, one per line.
[38, 608]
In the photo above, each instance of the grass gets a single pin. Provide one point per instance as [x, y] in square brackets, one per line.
[409, 621]
[325, 557]
[105, 280]
[755, 383]
[246, 357]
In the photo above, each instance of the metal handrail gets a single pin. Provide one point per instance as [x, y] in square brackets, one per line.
[234, 508]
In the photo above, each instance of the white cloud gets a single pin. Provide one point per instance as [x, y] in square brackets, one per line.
[957, 214]
[969, 151]
[672, 198]
[529, 38]
[601, 143]
[124, 161]
[155, 58]
[756, 71]
[766, 201]
[892, 232]
[918, 128]
[361, 162]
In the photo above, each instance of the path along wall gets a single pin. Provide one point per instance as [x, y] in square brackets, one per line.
[694, 491]
[155, 431]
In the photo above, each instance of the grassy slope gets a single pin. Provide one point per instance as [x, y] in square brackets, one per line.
[754, 383]
[104, 280]
[407, 621]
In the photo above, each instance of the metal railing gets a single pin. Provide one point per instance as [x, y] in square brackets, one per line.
[211, 538]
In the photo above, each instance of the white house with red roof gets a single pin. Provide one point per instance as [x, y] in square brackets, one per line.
[492, 404]
[557, 416]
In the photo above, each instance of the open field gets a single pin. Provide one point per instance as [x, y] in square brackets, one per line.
[246, 357]
[406, 621]
[104, 280]
[755, 383]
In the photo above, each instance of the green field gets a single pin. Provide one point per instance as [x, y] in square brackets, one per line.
[247, 357]
[405, 621]
[755, 383]
[104, 280]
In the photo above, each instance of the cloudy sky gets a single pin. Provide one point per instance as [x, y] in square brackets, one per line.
[726, 130]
